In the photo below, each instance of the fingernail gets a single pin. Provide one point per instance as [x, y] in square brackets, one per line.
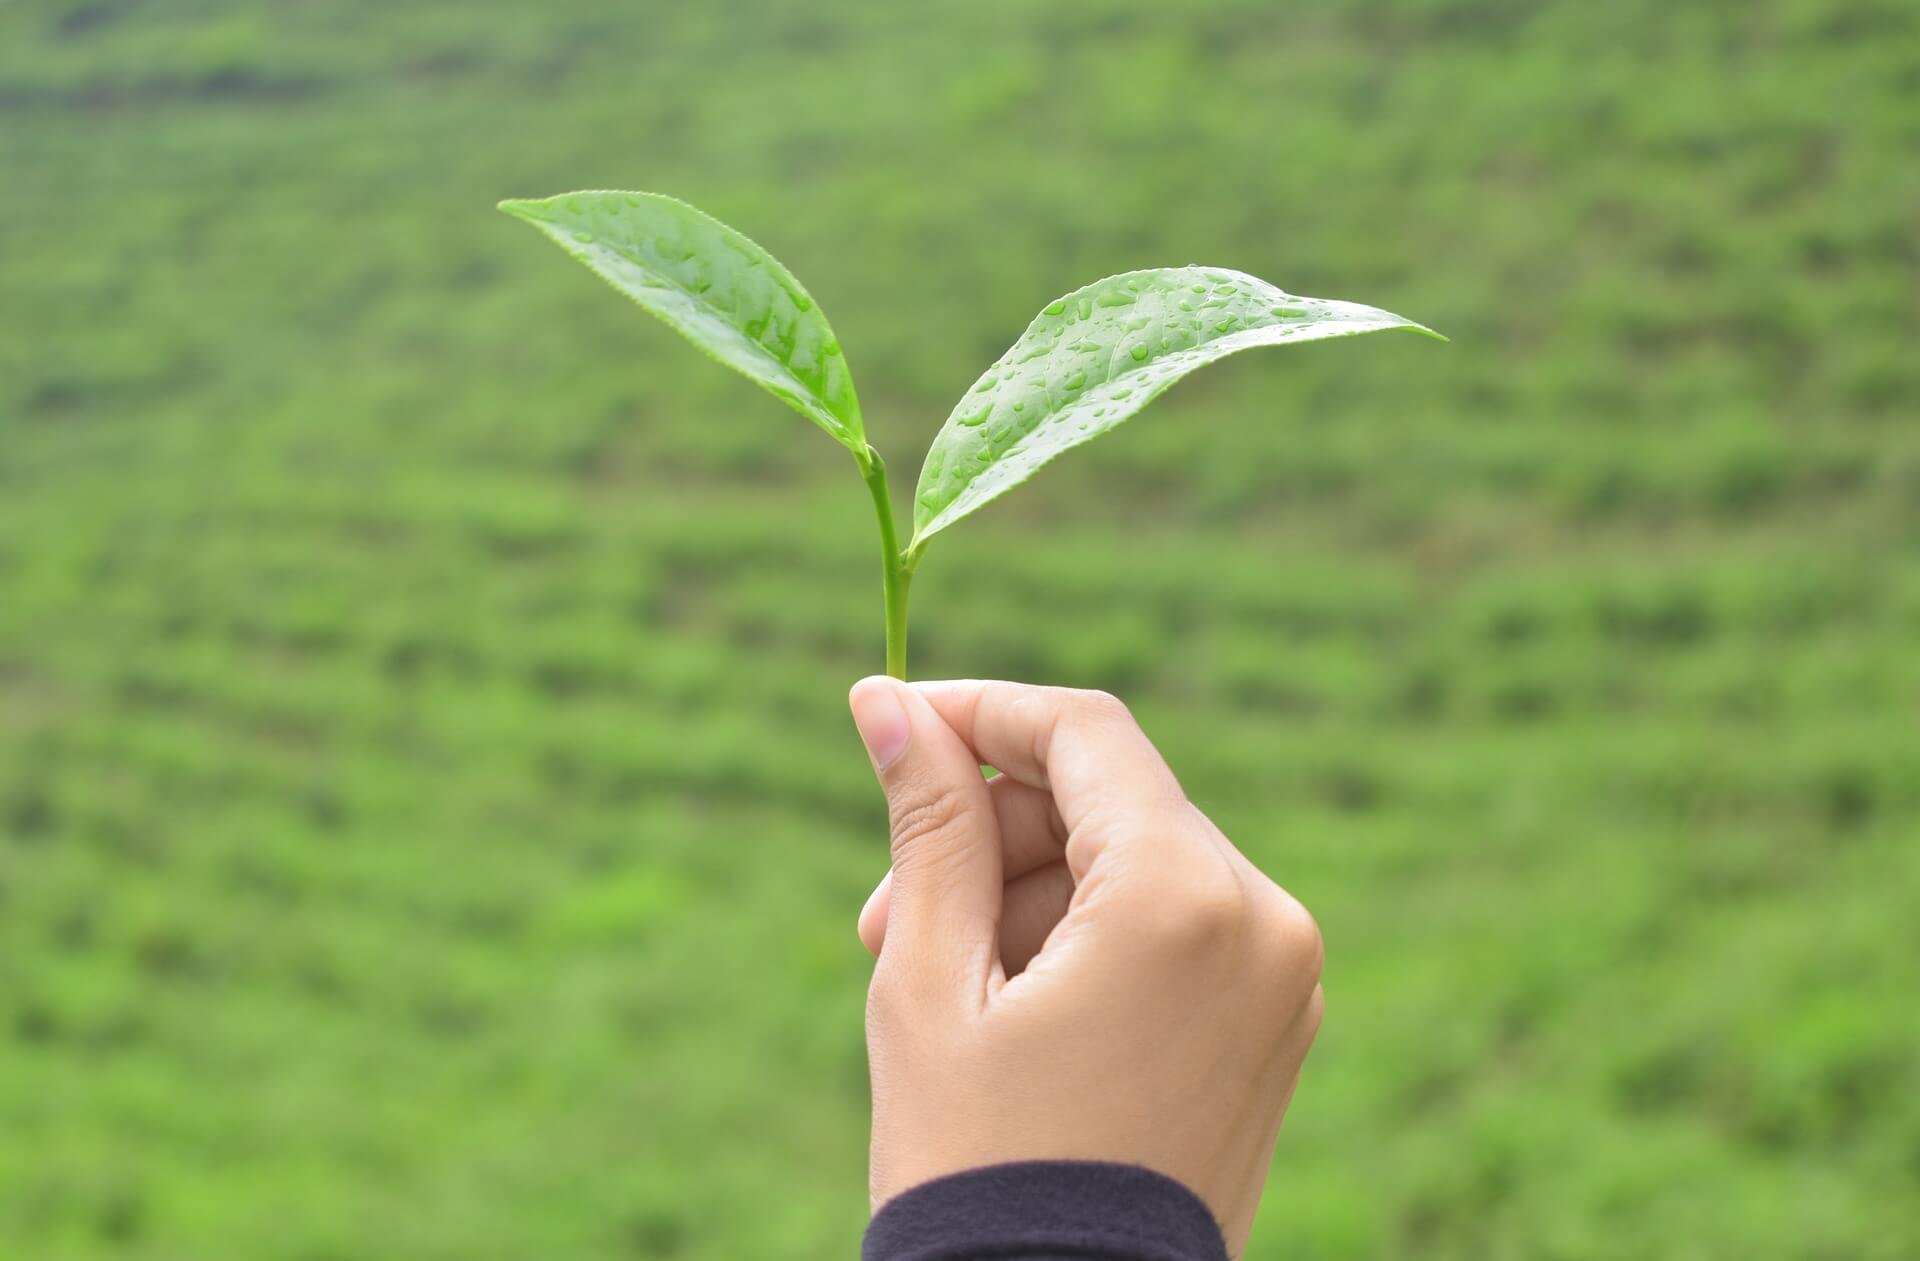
[881, 720]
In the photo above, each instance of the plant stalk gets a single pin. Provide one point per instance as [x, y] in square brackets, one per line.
[897, 574]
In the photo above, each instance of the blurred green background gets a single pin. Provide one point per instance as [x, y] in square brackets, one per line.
[429, 822]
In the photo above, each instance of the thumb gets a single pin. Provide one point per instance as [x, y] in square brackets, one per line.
[944, 915]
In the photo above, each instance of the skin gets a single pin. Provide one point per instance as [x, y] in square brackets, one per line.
[1072, 961]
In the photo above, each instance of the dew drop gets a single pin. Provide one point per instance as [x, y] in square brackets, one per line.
[1019, 407]
[1056, 307]
[802, 301]
[573, 204]
[1086, 308]
[978, 418]
[1139, 351]
[1116, 297]
[1122, 392]
[1199, 288]
[1077, 380]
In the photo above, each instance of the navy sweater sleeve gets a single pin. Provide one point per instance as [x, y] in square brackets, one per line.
[1046, 1210]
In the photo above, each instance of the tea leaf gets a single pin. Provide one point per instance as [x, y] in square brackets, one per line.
[1097, 356]
[721, 291]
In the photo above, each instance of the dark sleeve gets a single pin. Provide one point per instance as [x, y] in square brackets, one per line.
[1046, 1210]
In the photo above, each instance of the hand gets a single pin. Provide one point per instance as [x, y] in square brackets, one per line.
[1074, 963]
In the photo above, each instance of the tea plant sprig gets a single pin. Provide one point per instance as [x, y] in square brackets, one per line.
[1089, 360]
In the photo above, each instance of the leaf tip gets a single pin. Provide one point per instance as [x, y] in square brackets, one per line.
[522, 208]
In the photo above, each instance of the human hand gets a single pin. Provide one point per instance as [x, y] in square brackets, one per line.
[1073, 962]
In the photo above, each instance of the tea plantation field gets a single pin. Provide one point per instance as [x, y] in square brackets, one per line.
[429, 822]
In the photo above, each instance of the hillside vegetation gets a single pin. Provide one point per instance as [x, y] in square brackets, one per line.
[430, 825]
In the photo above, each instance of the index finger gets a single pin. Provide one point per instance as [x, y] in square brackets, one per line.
[1083, 747]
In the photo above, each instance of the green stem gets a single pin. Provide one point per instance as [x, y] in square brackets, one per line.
[897, 574]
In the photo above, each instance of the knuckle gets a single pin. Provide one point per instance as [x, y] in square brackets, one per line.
[1094, 705]
[1316, 1011]
[1027, 707]
[1201, 916]
[1293, 937]
[925, 815]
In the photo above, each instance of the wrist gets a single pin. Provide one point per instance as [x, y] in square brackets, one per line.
[1045, 1208]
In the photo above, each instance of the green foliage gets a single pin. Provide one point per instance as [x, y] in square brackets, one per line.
[1087, 362]
[717, 289]
[1096, 357]
[429, 821]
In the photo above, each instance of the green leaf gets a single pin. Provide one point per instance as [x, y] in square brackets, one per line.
[722, 292]
[1095, 357]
